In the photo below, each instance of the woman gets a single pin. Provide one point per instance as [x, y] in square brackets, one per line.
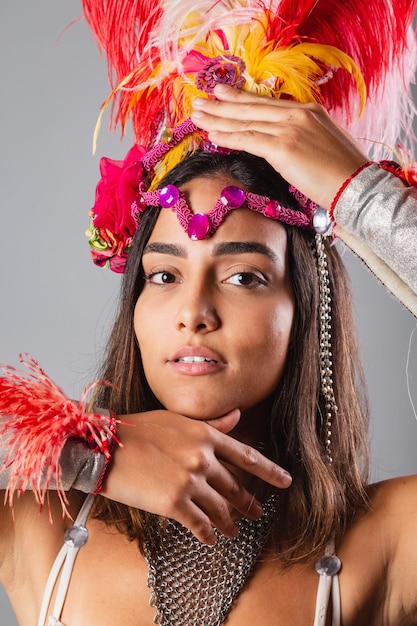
[236, 313]
[206, 329]
[210, 326]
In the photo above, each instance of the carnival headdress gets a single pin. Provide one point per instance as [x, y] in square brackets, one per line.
[161, 55]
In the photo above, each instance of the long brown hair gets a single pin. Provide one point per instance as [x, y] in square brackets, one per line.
[323, 497]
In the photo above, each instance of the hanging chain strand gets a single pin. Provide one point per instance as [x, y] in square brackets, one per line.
[325, 322]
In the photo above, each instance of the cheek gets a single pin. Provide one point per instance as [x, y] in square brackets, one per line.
[265, 345]
[274, 323]
[138, 322]
[144, 325]
[149, 338]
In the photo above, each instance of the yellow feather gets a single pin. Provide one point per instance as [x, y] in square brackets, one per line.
[293, 71]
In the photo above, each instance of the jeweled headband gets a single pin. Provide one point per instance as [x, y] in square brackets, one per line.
[201, 225]
[121, 187]
[160, 59]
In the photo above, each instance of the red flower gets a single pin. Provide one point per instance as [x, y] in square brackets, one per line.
[115, 261]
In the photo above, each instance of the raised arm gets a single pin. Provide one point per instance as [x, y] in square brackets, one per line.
[375, 212]
[381, 211]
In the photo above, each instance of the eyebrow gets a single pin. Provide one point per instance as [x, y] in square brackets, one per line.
[165, 248]
[220, 249]
[241, 247]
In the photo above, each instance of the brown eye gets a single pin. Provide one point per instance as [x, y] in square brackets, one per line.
[160, 278]
[246, 279]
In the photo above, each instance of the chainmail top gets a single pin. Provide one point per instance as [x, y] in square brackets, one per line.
[194, 584]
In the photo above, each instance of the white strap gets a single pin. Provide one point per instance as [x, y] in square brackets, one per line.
[66, 557]
[322, 602]
[328, 584]
[336, 608]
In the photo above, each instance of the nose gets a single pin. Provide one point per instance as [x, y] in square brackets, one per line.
[197, 312]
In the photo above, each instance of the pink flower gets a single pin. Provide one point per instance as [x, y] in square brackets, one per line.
[115, 193]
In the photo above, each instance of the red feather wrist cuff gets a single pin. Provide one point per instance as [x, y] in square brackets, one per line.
[36, 421]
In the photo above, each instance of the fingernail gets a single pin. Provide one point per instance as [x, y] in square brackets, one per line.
[234, 532]
[287, 478]
[257, 509]
[198, 102]
[197, 114]
[219, 88]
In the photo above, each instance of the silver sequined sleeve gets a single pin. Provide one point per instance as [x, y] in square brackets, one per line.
[382, 212]
[81, 467]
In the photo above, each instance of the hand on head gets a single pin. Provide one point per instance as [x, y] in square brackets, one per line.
[299, 140]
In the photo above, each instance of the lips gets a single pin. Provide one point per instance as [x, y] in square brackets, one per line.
[196, 361]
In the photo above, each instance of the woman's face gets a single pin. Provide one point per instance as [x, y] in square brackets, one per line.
[214, 318]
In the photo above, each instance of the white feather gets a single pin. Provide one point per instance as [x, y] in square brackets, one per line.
[390, 111]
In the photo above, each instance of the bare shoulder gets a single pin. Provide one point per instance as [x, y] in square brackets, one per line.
[395, 496]
[7, 528]
[378, 552]
[393, 513]
[393, 507]
[30, 538]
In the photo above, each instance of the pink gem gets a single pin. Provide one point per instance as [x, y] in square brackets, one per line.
[271, 209]
[168, 196]
[198, 226]
[233, 197]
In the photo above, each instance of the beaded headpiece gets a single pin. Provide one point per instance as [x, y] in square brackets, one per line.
[161, 55]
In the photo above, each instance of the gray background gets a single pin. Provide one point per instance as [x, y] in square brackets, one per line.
[54, 303]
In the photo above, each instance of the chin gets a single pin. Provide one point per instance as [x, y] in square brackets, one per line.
[200, 410]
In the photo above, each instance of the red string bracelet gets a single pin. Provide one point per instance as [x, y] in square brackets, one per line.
[396, 169]
[111, 440]
[343, 187]
[389, 166]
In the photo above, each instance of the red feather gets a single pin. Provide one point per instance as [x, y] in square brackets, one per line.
[374, 34]
[36, 419]
[122, 28]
